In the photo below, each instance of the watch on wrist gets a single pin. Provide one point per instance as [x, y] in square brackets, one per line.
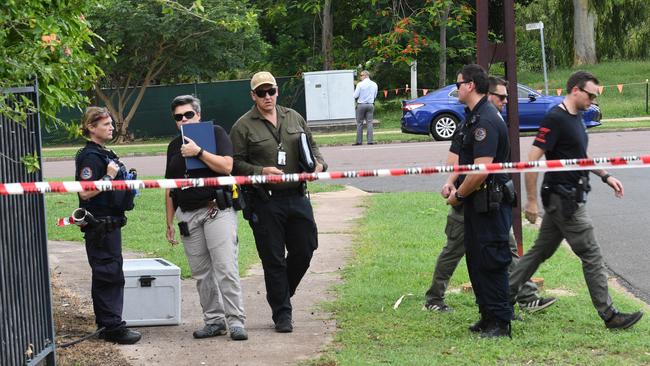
[604, 177]
[107, 177]
[198, 155]
[459, 197]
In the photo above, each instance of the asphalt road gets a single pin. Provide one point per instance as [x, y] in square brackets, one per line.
[620, 223]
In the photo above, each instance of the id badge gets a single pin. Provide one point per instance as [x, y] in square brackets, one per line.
[282, 158]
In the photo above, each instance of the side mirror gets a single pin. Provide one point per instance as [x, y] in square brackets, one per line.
[532, 97]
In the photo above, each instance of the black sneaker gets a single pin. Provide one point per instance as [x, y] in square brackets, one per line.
[211, 330]
[238, 334]
[120, 336]
[538, 304]
[284, 325]
[623, 320]
[442, 307]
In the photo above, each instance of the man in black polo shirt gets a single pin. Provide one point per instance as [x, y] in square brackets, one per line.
[487, 217]
[454, 248]
[562, 135]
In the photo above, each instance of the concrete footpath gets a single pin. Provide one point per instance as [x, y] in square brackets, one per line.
[335, 214]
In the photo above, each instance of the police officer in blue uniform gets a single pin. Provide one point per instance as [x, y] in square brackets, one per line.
[103, 229]
[488, 204]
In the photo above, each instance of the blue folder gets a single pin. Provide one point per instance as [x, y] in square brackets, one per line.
[202, 134]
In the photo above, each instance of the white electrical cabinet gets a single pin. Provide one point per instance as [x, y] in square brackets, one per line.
[152, 292]
[328, 96]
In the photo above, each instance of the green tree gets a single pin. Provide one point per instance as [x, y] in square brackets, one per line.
[621, 30]
[50, 40]
[165, 41]
[427, 31]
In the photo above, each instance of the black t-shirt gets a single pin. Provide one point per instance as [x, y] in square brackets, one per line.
[563, 136]
[175, 168]
[485, 134]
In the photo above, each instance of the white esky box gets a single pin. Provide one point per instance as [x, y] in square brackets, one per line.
[152, 292]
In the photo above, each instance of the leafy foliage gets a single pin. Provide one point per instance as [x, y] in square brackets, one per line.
[164, 41]
[622, 31]
[50, 40]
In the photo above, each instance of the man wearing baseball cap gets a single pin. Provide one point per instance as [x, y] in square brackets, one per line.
[266, 141]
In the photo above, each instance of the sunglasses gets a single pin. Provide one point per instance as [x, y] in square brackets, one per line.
[592, 96]
[187, 115]
[458, 84]
[501, 97]
[261, 93]
[100, 117]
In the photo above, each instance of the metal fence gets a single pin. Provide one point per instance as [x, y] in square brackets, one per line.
[26, 326]
[222, 102]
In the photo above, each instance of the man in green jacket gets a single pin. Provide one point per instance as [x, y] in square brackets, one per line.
[266, 141]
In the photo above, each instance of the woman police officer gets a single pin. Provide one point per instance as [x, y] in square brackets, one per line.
[103, 235]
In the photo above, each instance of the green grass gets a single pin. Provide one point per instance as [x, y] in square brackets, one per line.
[145, 231]
[397, 246]
[629, 103]
[120, 150]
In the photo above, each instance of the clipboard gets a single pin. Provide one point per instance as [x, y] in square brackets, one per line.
[202, 134]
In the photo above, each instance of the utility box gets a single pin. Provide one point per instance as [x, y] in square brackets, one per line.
[328, 97]
[152, 292]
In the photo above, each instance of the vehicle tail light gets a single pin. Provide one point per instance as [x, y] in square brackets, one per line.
[410, 107]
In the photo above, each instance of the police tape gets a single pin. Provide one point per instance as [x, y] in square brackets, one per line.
[621, 162]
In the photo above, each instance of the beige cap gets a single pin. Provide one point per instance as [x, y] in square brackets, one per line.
[261, 78]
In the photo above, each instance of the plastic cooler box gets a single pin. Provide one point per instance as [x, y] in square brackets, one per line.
[152, 292]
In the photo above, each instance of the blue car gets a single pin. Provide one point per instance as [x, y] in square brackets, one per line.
[439, 112]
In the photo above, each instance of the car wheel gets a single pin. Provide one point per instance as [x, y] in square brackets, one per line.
[443, 127]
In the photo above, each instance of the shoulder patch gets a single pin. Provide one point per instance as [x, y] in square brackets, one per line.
[86, 173]
[480, 134]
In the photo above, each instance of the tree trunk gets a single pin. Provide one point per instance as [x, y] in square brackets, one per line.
[584, 41]
[327, 35]
[442, 57]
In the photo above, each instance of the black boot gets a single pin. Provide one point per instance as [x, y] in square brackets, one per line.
[616, 320]
[120, 335]
[497, 329]
[483, 323]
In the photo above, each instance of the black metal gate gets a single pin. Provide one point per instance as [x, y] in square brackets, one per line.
[26, 328]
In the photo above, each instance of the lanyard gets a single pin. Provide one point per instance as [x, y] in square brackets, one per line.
[278, 137]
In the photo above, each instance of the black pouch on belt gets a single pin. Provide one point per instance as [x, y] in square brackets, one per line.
[220, 199]
[568, 200]
[495, 195]
[509, 193]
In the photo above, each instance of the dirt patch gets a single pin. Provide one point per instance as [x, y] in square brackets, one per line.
[74, 319]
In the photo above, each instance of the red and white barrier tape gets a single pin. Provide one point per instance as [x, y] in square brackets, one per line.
[64, 221]
[510, 167]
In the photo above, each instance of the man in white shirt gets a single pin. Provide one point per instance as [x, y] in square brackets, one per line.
[365, 94]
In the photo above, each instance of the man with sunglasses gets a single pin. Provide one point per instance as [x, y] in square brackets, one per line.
[562, 135]
[266, 141]
[454, 248]
[207, 223]
[365, 93]
[487, 214]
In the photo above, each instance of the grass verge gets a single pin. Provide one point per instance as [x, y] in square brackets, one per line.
[397, 245]
[628, 103]
[145, 231]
